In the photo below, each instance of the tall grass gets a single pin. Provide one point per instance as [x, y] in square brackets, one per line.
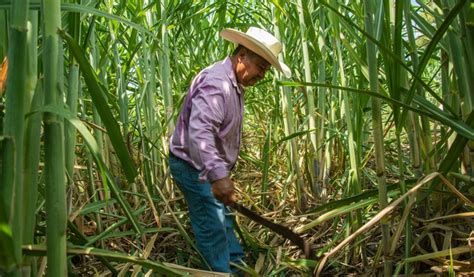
[16, 98]
[56, 210]
[381, 96]
[379, 153]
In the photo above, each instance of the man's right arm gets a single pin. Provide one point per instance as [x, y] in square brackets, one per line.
[207, 114]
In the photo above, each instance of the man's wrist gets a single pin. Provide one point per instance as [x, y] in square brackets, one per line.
[217, 173]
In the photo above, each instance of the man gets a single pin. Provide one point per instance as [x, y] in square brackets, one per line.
[205, 144]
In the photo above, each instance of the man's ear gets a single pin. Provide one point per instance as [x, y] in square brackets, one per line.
[241, 54]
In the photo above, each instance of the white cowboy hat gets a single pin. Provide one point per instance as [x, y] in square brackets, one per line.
[261, 43]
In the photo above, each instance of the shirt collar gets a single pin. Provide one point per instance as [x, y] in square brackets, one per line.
[231, 74]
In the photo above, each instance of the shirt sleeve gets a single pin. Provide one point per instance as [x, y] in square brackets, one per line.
[207, 115]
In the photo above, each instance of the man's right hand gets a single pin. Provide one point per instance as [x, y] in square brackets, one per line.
[223, 190]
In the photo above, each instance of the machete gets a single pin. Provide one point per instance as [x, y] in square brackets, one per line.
[277, 228]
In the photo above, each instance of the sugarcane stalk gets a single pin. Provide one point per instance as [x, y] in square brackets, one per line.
[310, 106]
[377, 132]
[287, 112]
[462, 70]
[120, 86]
[3, 35]
[72, 100]
[165, 69]
[11, 187]
[56, 217]
[321, 102]
[165, 77]
[34, 101]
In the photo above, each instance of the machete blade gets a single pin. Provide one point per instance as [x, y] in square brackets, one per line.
[277, 228]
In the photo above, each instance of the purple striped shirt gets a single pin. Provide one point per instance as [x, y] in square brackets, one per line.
[209, 127]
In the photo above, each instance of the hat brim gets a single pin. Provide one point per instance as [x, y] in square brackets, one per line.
[257, 47]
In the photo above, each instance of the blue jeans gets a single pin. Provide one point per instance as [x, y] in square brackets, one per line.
[212, 224]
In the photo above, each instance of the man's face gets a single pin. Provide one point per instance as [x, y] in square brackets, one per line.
[250, 68]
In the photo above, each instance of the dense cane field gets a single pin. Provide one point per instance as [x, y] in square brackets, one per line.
[366, 152]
